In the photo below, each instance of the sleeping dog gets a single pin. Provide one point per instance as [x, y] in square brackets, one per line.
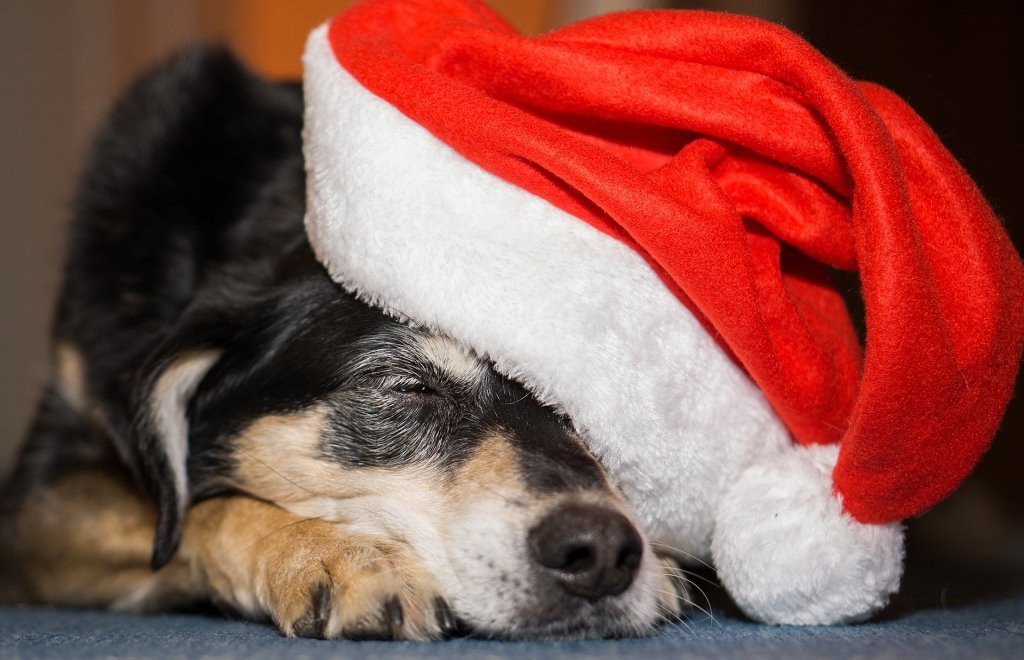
[225, 424]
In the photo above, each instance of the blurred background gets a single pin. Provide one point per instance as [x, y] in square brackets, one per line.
[63, 62]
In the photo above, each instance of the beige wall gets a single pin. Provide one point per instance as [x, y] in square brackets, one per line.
[39, 140]
[61, 63]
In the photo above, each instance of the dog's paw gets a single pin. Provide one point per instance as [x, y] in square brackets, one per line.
[354, 587]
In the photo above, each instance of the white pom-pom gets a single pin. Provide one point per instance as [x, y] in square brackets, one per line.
[788, 553]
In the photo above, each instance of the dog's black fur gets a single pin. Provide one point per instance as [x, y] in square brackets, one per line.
[188, 237]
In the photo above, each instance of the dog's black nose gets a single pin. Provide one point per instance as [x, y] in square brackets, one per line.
[591, 551]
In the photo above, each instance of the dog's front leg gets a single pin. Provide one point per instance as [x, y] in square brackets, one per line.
[307, 575]
[86, 539]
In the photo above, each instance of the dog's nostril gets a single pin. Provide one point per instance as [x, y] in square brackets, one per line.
[578, 558]
[591, 551]
[631, 555]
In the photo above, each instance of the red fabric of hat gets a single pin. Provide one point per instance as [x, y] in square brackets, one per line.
[740, 163]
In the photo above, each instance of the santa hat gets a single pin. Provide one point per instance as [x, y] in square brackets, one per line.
[634, 215]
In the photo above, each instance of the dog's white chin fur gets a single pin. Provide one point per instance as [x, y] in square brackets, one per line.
[400, 218]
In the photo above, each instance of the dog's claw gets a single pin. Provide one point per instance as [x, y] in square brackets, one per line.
[445, 618]
[394, 616]
[315, 622]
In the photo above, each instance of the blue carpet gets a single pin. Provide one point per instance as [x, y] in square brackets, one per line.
[995, 630]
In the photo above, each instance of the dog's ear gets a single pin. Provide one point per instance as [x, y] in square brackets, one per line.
[156, 408]
[160, 434]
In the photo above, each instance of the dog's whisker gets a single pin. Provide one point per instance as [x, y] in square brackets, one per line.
[681, 575]
[668, 615]
[683, 553]
[689, 576]
[266, 465]
[519, 400]
[281, 528]
[707, 600]
[513, 501]
[706, 611]
[689, 601]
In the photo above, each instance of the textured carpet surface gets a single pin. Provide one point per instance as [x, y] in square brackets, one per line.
[994, 630]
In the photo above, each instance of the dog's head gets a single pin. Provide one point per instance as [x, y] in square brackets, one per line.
[311, 399]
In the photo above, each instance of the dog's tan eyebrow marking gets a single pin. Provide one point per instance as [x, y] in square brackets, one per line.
[70, 369]
[492, 466]
[278, 456]
[458, 362]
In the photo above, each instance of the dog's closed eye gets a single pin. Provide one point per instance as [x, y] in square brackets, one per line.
[415, 387]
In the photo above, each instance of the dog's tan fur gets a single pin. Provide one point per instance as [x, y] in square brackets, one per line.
[86, 541]
[276, 457]
[70, 372]
[492, 468]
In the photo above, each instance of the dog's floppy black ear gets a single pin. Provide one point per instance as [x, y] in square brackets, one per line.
[161, 438]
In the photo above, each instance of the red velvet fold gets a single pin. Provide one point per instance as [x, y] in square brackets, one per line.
[740, 162]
